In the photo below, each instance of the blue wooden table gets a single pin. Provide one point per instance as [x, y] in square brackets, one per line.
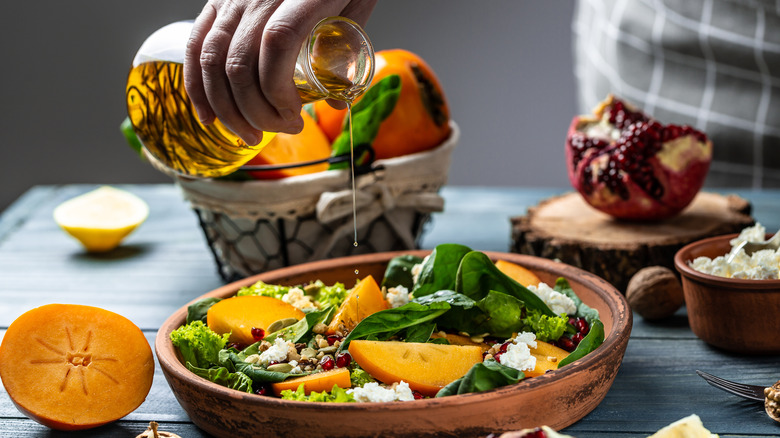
[166, 263]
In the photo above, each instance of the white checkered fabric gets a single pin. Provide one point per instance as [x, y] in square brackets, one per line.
[711, 64]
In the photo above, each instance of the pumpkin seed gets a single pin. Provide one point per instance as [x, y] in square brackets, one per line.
[280, 367]
[280, 324]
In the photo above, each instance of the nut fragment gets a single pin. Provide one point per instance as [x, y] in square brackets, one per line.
[152, 432]
[772, 401]
[655, 293]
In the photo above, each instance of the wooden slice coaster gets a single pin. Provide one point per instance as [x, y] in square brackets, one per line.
[567, 228]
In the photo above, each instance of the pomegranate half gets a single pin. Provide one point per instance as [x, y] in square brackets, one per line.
[630, 166]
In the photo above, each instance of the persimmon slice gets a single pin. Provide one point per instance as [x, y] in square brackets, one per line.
[426, 367]
[318, 382]
[73, 367]
[518, 273]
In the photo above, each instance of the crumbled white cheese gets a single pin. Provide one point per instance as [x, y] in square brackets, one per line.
[298, 298]
[761, 265]
[556, 301]
[416, 269]
[398, 296]
[296, 368]
[518, 353]
[373, 392]
[276, 352]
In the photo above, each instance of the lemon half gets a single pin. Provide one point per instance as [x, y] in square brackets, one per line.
[100, 219]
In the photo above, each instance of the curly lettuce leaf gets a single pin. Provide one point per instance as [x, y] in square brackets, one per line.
[336, 395]
[198, 344]
[546, 327]
[222, 376]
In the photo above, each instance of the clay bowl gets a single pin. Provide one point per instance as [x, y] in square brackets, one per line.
[558, 399]
[729, 313]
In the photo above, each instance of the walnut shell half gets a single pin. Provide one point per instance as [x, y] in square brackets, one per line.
[772, 401]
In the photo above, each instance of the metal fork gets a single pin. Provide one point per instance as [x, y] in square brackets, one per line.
[751, 392]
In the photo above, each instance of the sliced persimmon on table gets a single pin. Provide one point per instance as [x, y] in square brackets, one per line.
[365, 299]
[239, 315]
[73, 367]
[426, 367]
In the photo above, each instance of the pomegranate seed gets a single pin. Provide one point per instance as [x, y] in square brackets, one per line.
[263, 390]
[573, 321]
[273, 362]
[497, 357]
[565, 343]
[343, 360]
[333, 338]
[582, 326]
[417, 395]
[503, 347]
[327, 363]
[257, 334]
[577, 338]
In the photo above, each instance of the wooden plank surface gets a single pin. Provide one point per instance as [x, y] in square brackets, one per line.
[166, 263]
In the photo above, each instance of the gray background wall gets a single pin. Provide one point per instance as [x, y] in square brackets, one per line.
[505, 65]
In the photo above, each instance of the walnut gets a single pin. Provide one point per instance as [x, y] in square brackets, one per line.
[152, 432]
[655, 293]
[772, 401]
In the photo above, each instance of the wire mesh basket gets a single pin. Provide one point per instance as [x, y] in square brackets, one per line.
[256, 226]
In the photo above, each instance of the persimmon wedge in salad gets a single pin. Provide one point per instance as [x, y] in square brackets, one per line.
[451, 323]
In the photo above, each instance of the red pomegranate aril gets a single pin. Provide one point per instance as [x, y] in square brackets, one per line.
[257, 333]
[497, 357]
[327, 363]
[263, 390]
[333, 338]
[417, 395]
[565, 343]
[577, 338]
[343, 360]
[503, 347]
[273, 362]
[581, 325]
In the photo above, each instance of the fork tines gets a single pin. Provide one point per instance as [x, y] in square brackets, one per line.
[752, 392]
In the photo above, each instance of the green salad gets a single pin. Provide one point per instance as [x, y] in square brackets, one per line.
[451, 323]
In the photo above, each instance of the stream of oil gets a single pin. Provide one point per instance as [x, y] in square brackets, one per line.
[354, 186]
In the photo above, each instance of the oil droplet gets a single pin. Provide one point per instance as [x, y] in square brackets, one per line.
[357, 272]
[355, 244]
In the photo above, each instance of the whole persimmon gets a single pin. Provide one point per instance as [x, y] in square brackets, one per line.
[310, 144]
[73, 367]
[420, 119]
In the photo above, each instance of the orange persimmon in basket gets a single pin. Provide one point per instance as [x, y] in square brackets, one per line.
[73, 367]
[420, 119]
[308, 145]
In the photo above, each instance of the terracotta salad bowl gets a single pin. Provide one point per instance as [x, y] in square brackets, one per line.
[557, 399]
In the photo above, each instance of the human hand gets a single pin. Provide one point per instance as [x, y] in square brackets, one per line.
[241, 55]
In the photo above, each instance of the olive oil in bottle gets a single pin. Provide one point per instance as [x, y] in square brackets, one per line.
[336, 62]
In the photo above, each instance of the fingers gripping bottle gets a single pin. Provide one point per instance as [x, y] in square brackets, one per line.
[335, 62]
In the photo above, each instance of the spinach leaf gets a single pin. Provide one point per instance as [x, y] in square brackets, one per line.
[368, 114]
[222, 376]
[399, 271]
[497, 313]
[477, 275]
[301, 330]
[198, 310]
[482, 377]
[440, 269]
[590, 342]
[419, 332]
[385, 323]
[583, 310]
[446, 296]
